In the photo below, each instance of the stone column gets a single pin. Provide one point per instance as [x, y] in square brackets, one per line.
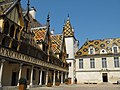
[61, 77]
[46, 77]
[1, 71]
[31, 77]
[20, 73]
[54, 78]
[40, 77]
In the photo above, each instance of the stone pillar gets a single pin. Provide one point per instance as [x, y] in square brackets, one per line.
[54, 78]
[46, 77]
[31, 77]
[20, 73]
[1, 71]
[61, 77]
[40, 77]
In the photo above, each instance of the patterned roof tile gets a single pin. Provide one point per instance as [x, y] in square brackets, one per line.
[56, 43]
[100, 44]
[40, 34]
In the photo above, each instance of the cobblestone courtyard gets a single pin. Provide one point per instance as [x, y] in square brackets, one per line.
[81, 87]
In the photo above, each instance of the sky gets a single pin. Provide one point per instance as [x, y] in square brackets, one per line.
[91, 19]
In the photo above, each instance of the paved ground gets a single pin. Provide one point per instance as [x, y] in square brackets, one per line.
[81, 87]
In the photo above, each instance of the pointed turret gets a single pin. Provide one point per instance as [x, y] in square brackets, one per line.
[67, 29]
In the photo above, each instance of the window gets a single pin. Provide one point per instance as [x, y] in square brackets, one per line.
[91, 50]
[92, 63]
[116, 61]
[103, 51]
[81, 63]
[115, 49]
[70, 64]
[104, 63]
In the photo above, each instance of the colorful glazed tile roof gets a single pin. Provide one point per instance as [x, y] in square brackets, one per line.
[67, 30]
[40, 33]
[98, 45]
[56, 43]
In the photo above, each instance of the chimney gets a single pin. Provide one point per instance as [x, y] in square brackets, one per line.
[32, 12]
[52, 31]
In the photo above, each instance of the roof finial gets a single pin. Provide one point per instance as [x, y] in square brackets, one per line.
[68, 16]
[48, 17]
[48, 20]
[28, 4]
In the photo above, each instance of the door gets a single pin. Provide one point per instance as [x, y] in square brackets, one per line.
[105, 77]
[14, 79]
[43, 77]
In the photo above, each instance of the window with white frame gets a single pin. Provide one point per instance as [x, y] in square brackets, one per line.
[104, 63]
[80, 63]
[103, 51]
[91, 50]
[115, 49]
[116, 61]
[92, 63]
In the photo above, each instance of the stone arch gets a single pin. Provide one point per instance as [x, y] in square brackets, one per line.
[17, 33]
[12, 29]
[6, 28]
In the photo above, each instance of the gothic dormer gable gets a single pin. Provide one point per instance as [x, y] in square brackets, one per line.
[13, 11]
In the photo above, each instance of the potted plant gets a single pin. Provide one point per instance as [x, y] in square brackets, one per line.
[49, 84]
[66, 81]
[22, 84]
[57, 81]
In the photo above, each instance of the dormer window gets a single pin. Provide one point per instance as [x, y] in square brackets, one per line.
[103, 51]
[115, 49]
[91, 50]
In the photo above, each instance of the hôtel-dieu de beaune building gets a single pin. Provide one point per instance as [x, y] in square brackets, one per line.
[31, 50]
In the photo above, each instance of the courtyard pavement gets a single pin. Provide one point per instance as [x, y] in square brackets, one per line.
[103, 86]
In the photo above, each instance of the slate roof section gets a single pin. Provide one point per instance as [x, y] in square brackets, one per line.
[6, 6]
[56, 41]
[100, 44]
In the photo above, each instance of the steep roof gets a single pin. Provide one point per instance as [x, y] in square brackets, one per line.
[57, 41]
[7, 5]
[67, 29]
[98, 45]
[40, 33]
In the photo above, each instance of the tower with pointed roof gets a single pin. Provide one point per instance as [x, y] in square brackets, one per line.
[71, 48]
